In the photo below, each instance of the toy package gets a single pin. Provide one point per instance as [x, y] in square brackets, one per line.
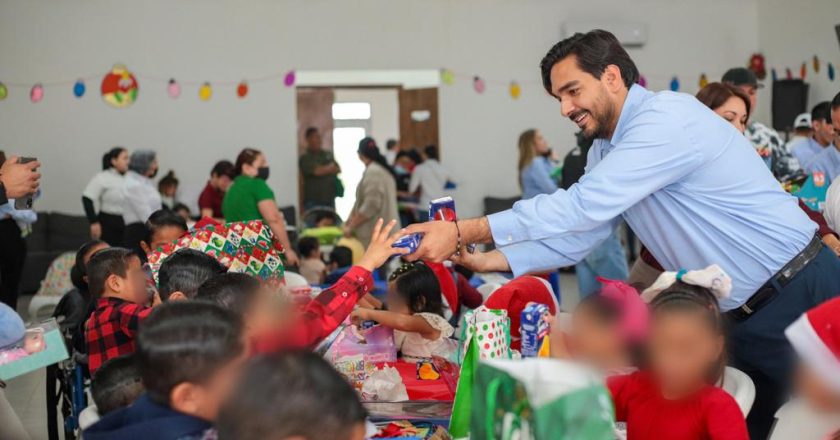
[355, 352]
[42, 345]
[534, 329]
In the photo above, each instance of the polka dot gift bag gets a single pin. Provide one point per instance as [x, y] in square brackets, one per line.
[485, 335]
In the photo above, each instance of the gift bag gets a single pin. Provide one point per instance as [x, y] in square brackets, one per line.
[355, 353]
[539, 399]
[484, 335]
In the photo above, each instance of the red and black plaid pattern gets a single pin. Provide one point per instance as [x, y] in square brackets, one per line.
[111, 329]
[322, 315]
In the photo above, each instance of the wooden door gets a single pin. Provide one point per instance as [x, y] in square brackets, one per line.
[418, 118]
[314, 109]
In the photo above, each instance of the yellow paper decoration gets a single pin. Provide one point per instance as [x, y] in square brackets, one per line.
[515, 90]
[447, 77]
[816, 64]
[704, 81]
[205, 92]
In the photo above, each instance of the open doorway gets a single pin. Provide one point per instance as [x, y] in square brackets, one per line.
[344, 114]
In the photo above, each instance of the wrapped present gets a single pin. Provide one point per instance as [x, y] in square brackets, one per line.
[242, 247]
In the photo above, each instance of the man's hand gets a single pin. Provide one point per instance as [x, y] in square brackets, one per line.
[20, 179]
[493, 261]
[439, 242]
[380, 248]
[832, 242]
[291, 257]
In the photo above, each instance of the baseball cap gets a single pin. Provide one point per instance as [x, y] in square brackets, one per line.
[739, 76]
[803, 120]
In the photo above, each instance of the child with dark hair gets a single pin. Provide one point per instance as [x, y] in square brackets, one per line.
[292, 396]
[117, 280]
[341, 260]
[168, 188]
[675, 395]
[246, 297]
[76, 305]
[415, 312]
[162, 227]
[311, 266]
[182, 273]
[190, 353]
[116, 384]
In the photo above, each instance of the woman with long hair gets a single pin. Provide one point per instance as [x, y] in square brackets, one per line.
[102, 198]
[376, 195]
[534, 165]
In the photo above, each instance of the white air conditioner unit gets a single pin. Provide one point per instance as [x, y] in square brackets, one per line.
[629, 34]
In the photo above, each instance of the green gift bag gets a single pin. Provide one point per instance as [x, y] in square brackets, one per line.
[484, 335]
[539, 399]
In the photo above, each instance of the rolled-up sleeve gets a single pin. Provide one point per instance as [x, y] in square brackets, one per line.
[652, 152]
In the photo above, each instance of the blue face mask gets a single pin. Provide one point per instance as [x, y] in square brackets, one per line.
[399, 169]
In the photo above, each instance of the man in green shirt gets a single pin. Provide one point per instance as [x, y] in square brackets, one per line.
[319, 171]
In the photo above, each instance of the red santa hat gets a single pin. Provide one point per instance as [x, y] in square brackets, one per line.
[448, 289]
[515, 295]
[816, 338]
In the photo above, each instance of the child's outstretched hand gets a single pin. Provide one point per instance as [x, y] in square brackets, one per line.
[380, 250]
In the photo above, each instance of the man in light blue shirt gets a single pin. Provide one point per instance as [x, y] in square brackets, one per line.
[689, 185]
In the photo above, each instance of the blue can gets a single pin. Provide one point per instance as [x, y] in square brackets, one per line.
[410, 242]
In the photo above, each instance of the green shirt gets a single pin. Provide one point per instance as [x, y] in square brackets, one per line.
[241, 199]
[319, 190]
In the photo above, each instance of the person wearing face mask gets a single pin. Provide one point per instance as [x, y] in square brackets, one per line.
[140, 198]
[104, 192]
[250, 198]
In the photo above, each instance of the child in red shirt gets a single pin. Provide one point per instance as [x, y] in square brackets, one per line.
[676, 396]
[118, 284]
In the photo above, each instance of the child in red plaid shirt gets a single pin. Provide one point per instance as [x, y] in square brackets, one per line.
[118, 284]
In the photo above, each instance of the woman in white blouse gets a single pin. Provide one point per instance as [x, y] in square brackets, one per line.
[140, 198]
[105, 193]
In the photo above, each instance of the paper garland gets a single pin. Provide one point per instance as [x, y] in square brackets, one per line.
[830, 70]
[79, 88]
[289, 79]
[704, 81]
[478, 84]
[816, 63]
[119, 87]
[675, 84]
[4, 92]
[447, 77]
[642, 81]
[803, 71]
[242, 89]
[173, 89]
[515, 90]
[37, 93]
[205, 92]
[773, 75]
[788, 73]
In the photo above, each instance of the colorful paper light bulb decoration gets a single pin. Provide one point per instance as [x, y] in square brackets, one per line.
[37, 93]
[675, 84]
[289, 79]
[478, 84]
[242, 89]
[788, 73]
[803, 70]
[447, 77]
[119, 87]
[830, 70]
[816, 63]
[515, 90]
[703, 80]
[205, 92]
[173, 89]
[642, 81]
[757, 65]
[773, 75]
[79, 89]
[4, 92]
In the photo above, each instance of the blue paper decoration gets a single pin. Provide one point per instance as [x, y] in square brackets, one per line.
[79, 89]
[773, 75]
[675, 84]
[830, 71]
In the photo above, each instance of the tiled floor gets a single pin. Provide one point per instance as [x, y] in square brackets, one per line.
[27, 396]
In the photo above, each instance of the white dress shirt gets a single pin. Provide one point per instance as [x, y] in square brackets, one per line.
[106, 191]
[140, 198]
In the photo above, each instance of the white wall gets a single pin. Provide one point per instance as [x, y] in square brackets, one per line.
[194, 40]
[793, 32]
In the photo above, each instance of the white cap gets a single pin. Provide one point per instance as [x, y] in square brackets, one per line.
[803, 120]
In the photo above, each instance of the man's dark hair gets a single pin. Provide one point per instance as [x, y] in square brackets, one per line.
[185, 271]
[594, 50]
[821, 112]
[224, 168]
[307, 245]
[107, 262]
[288, 395]
[431, 151]
[116, 384]
[232, 291]
[185, 341]
[342, 256]
[390, 143]
[835, 103]
[161, 219]
[309, 132]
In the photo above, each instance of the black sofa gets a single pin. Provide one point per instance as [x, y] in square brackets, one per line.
[53, 234]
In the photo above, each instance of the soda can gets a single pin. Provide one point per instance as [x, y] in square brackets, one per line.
[534, 328]
[368, 324]
[442, 209]
[410, 242]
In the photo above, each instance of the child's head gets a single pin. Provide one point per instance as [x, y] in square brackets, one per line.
[168, 184]
[341, 257]
[816, 338]
[163, 227]
[686, 344]
[78, 273]
[309, 248]
[414, 288]
[183, 272]
[190, 354]
[292, 396]
[116, 384]
[117, 272]
[325, 219]
[246, 297]
[182, 211]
